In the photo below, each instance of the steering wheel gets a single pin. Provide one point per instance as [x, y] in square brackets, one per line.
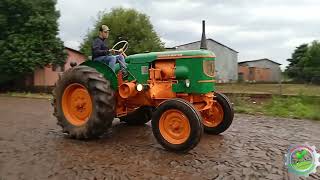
[121, 50]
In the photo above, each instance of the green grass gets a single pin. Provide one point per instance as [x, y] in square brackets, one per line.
[300, 107]
[285, 89]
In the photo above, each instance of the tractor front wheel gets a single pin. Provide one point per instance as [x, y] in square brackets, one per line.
[219, 117]
[177, 125]
[84, 103]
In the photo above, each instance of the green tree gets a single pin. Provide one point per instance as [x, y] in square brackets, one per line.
[311, 68]
[294, 70]
[129, 25]
[305, 63]
[28, 37]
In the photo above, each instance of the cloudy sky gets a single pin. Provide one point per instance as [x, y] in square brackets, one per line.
[256, 29]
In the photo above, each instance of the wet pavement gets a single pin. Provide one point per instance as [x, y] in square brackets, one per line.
[32, 146]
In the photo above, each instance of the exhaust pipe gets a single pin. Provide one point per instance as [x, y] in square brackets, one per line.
[203, 44]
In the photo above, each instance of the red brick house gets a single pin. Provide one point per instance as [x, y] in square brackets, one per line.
[260, 70]
[48, 75]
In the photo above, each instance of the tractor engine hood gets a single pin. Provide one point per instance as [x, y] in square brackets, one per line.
[149, 57]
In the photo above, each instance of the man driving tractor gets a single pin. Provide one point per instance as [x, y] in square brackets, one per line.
[173, 89]
[101, 52]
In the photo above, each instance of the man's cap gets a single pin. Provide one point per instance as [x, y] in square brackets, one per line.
[104, 28]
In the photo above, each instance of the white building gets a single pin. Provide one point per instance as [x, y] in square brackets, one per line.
[226, 59]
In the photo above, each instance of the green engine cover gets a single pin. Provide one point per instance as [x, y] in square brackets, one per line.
[191, 69]
[189, 66]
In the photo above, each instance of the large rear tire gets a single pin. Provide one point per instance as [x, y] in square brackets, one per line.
[219, 117]
[177, 125]
[140, 116]
[84, 103]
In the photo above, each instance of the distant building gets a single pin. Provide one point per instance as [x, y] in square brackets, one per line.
[226, 59]
[48, 76]
[260, 70]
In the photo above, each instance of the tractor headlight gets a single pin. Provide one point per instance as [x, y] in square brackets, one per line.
[139, 87]
[187, 82]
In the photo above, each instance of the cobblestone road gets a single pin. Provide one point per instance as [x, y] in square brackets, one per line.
[32, 146]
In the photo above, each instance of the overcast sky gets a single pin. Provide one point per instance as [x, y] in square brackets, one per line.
[256, 29]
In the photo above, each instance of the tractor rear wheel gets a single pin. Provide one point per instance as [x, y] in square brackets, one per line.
[140, 116]
[177, 125]
[219, 117]
[84, 103]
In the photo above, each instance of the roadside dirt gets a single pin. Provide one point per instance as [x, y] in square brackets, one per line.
[32, 146]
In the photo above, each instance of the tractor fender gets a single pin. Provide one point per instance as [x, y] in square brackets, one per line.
[105, 70]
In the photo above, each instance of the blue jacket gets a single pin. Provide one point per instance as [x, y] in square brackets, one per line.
[99, 48]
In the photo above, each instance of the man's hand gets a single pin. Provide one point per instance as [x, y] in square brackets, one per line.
[112, 51]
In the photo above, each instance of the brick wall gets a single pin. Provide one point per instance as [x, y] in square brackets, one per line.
[256, 75]
[48, 77]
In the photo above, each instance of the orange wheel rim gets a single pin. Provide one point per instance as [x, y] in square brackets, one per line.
[214, 116]
[174, 126]
[76, 104]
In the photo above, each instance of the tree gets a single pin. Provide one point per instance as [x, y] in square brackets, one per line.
[28, 38]
[305, 63]
[129, 25]
[311, 68]
[294, 70]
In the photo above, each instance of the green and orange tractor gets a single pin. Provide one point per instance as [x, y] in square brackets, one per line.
[173, 89]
